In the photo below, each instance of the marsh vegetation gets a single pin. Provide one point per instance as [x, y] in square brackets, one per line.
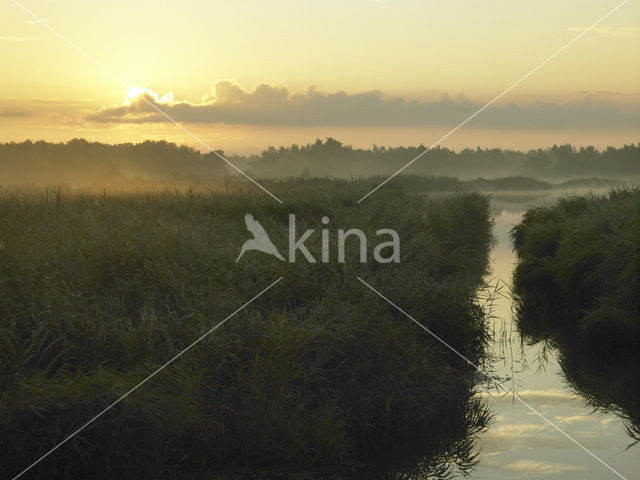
[577, 290]
[99, 290]
[105, 278]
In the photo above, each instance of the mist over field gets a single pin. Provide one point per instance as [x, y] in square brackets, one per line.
[341, 240]
[79, 163]
[114, 257]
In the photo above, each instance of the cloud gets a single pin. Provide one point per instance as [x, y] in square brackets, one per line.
[606, 421]
[47, 110]
[533, 467]
[574, 419]
[539, 398]
[503, 437]
[624, 32]
[12, 112]
[229, 103]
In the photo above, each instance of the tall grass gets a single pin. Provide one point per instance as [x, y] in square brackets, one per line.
[577, 283]
[97, 291]
[581, 256]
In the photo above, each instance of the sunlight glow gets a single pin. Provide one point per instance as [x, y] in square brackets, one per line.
[134, 92]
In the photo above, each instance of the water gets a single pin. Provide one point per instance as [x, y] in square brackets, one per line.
[520, 444]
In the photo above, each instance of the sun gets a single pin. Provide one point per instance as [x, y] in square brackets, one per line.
[134, 92]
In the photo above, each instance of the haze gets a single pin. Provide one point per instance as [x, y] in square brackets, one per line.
[245, 75]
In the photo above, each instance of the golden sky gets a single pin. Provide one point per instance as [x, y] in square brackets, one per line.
[246, 74]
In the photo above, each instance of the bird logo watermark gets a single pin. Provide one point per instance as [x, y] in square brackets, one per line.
[260, 240]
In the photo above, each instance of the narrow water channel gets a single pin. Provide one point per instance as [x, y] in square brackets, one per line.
[519, 444]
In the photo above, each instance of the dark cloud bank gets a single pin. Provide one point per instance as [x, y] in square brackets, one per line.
[275, 105]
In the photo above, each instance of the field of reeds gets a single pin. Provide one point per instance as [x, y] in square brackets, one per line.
[99, 290]
[576, 287]
[580, 258]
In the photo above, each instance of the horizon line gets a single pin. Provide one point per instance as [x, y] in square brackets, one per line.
[371, 147]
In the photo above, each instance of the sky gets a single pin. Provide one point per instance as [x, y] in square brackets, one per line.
[244, 75]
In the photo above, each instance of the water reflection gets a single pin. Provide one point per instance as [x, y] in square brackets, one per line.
[591, 405]
[597, 406]
[599, 359]
[614, 389]
[609, 383]
[588, 404]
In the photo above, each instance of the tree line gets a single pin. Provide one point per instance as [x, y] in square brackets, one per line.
[80, 162]
[333, 158]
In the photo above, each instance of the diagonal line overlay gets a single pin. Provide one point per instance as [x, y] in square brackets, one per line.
[495, 381]
[500, 95]
[143, 97]
[158, 370]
